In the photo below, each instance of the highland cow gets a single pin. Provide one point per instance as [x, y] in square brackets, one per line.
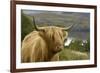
[43, 44]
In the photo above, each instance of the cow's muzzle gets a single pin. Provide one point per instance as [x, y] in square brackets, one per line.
[59, 48]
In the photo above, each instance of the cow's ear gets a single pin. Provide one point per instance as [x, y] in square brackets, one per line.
[65, 33]
[42, 32]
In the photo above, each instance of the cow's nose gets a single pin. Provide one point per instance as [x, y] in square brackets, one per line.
[59, 48]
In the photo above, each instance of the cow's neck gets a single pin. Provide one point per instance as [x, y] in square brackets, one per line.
[50, 55]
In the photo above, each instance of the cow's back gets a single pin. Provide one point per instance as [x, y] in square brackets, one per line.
[32, 44]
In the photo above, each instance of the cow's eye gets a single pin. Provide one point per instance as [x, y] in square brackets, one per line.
[53, 38]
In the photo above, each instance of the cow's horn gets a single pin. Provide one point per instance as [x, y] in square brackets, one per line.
[67, 28]
[36, 27]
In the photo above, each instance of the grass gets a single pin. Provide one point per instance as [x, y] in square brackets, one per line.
[68, 54]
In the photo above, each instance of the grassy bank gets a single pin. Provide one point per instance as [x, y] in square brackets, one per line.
[68, 54]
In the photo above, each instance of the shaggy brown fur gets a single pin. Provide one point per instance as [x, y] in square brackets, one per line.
[45, 45]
